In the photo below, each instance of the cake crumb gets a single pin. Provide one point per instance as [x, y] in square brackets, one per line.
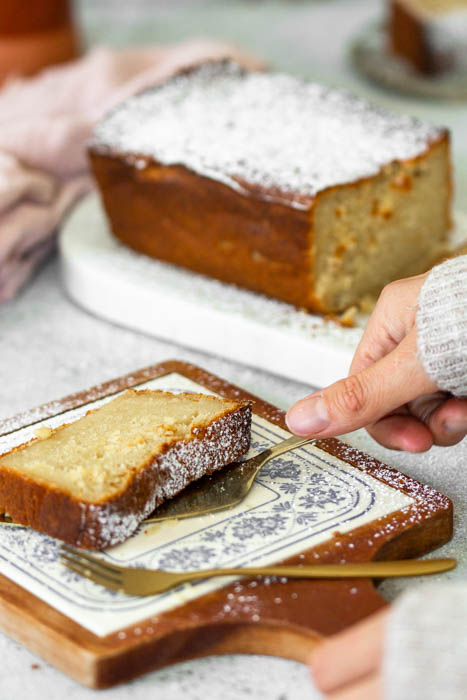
[43, 432]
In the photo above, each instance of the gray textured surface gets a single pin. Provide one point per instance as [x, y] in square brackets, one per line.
[50, 348]
[229, 677]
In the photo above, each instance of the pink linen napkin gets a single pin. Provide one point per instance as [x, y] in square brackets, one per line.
[44, 124]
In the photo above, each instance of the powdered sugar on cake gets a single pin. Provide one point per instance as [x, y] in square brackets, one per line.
[284, 136]
[226, 439]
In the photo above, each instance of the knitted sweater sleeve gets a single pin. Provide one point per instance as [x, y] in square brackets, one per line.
[426, 645]
[426, 642]
[442, 325]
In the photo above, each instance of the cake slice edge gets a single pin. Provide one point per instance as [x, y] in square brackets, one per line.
[110, 521]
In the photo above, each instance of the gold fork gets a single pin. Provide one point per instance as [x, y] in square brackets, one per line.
[135, 581]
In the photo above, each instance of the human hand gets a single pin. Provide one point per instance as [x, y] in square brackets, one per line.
[347, 666]
[387, 390]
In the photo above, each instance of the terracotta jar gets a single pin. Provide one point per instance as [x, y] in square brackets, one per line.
[35, 34]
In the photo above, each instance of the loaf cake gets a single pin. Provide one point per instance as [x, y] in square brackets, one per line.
[92, 482]
[276, 184]
[430, 34]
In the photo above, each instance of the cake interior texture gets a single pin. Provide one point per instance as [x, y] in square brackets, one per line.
[96, 457]
[384, 228]
[289, 188]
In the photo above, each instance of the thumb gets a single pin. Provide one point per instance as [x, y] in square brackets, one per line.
[365, 397]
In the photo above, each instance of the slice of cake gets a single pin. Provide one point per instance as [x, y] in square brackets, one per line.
[276, 184]
[430, 34]
[93, 481]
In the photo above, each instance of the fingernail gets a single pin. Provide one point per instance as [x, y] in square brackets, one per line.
[308, 416]
[456, 427]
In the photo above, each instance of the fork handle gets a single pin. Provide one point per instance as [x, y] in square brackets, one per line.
[275, 450]
[377, 569]
[286, 445]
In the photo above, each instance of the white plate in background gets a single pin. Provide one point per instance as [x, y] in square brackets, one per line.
[138, 292]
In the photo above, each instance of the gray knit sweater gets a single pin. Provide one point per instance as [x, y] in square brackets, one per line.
[426, 643]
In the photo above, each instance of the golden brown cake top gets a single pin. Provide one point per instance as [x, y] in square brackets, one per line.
[279, 135]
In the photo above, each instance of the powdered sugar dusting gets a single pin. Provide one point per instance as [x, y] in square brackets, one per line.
[226, 440]
[289, 137]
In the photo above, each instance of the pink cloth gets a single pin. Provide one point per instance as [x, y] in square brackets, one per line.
[44, 124]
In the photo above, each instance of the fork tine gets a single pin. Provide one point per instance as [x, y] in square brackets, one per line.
[89, 566]
[80, 556]
[92, 576]
[94, 566]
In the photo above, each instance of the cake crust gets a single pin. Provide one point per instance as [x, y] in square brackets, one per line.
[249, 239]
[207, 226]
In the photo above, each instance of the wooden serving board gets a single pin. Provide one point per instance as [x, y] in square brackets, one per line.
[329, 503]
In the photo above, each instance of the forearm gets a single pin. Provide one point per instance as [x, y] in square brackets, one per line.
[426, 642]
